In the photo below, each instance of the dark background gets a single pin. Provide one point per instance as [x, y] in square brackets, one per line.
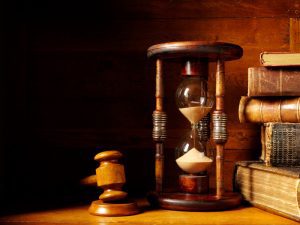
[75, 80]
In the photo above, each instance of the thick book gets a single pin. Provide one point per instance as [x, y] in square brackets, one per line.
[264, 110]
[282, 59]
[281, 144]
[274, 189]
[264, 81]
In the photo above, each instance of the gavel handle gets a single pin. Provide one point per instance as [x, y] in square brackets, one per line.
[89, 181]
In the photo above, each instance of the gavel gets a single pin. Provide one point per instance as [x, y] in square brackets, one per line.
[110, 176]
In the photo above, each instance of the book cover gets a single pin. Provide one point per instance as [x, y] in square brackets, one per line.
[274, 189]
[281, 144]
[264, 110]
[282, 59]
[264, 81]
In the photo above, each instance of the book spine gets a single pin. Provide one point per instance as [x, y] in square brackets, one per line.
[281, 144]
[255, 110]
[273, 82]
[261, 58]
[263, 144]
[279, 59]
[267, 133]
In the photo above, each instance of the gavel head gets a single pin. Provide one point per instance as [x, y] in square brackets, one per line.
[110, 176]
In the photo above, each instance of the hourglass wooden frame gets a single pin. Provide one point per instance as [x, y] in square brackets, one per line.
[192, 54]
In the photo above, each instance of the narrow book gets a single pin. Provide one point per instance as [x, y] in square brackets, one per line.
[281, 144]
[264, 110]
[264, 81]
[280, 59]
[274, 189]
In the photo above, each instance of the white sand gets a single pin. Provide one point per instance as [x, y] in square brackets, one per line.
[193, 161]
[195, 113]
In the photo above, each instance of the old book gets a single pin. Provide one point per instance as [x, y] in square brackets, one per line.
[264, 110]
[274, 189]
[280, 59]
[264, 81]
[281, 144]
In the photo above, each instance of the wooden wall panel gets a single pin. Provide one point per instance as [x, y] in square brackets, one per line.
[79, 82]
[155, 9]
[60, 58]
[137, 35]
[294, 34]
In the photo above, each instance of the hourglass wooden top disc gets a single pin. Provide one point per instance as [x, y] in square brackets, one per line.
[196, 49]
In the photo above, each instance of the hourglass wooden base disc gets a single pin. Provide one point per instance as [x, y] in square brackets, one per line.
[99, 208]
[196, 202]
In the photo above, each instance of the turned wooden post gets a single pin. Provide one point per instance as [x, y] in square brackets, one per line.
[159, 128]
[159, 92]
[220, 132]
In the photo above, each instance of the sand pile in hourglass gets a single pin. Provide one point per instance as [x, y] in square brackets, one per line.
[195, 113]
[194, 161]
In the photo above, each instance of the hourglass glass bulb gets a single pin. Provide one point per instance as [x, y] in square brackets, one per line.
[191, 95]
[193, 102]
[191, 154]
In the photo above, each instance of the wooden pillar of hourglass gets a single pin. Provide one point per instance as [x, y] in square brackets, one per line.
[204, 52]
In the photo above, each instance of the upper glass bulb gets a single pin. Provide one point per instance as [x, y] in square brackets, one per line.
[192, 98]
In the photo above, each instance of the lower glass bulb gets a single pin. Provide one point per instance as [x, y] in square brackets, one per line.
[194, 161]
[191, 154]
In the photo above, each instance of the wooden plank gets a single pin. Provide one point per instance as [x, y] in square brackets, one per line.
[92, 64]
[95, 11]
[79, 215]
[294, 34]
[84, 70]
[87, 87]
[251, 33]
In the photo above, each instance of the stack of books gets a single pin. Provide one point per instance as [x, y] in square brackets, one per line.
[273, 100]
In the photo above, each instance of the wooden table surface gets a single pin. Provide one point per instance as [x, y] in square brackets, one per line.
[80, 215]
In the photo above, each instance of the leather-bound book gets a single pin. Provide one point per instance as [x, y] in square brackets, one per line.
[264, 81]
[281, 144]
[264, 110]
[281, 59]
[274, 189]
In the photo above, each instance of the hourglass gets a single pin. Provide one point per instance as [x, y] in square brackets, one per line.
[194, 102]
[192, 155]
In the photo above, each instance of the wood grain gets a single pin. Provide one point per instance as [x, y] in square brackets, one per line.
[254, 33]
[294, 34]
[79, 215]
[144, 10]
[110, 176]
[77, 81]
